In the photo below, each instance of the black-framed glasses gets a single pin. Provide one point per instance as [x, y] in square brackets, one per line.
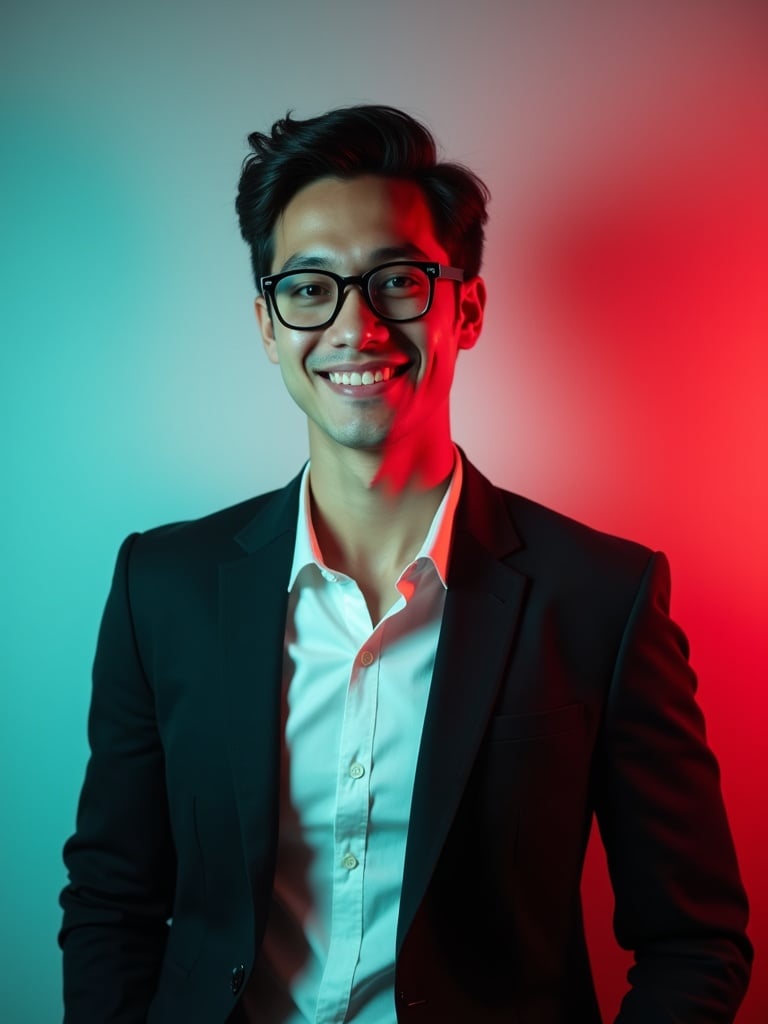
[403, 290]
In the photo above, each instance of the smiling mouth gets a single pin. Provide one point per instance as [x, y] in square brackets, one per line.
[356, 379]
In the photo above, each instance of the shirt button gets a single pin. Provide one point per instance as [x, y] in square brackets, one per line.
[349, 861]
[329, 576]
[356, 770]
[366, 658]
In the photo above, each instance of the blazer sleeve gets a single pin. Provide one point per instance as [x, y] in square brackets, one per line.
[120, 858]
[679, 902]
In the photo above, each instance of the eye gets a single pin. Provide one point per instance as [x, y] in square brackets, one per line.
[310, 291]
[306, 289]
[399, 282]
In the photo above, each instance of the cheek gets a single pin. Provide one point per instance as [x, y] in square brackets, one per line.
[294, 382]
[440, 353]
[292, 349]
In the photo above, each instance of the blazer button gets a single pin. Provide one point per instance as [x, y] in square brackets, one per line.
[238, 977]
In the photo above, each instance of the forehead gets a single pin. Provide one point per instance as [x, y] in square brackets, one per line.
[350, 221]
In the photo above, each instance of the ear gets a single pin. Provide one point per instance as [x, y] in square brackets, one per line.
[471, 308]
[267, 328]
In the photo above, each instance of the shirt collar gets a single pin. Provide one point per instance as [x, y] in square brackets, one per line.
[436, 547]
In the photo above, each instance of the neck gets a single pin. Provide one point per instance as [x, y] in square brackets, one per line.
[371, 509]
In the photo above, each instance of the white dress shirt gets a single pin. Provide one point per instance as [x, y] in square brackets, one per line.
[354, 698]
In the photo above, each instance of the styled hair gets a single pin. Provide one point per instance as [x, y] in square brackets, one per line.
[346, 143]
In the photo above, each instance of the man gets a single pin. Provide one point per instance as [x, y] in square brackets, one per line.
[348, 737]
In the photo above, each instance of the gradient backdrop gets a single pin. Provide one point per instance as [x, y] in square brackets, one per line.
[621, 377]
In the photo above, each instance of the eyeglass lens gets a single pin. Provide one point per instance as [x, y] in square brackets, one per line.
[309, 298]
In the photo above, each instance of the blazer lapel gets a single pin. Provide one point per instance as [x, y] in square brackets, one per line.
[252, 607]
[479, 624]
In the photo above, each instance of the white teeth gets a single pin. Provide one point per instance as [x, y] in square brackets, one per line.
[355, 379]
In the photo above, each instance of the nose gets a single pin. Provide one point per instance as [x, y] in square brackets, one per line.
[356, 325]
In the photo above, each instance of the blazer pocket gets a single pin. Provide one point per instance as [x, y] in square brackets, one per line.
[515, 728]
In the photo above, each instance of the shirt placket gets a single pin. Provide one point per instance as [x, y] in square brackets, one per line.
[352, 812]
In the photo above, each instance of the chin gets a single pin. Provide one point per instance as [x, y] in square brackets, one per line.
[362, 436]
[363, 440]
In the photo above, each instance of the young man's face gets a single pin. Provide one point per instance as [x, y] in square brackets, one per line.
[349, 227]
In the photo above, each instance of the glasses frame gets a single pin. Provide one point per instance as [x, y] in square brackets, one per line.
[434, 272]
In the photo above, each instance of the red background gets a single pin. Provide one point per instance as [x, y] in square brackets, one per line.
[632, 388]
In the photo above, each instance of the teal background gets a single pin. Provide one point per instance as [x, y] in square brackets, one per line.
[134, 389]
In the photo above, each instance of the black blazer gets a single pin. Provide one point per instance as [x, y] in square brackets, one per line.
[561, 688]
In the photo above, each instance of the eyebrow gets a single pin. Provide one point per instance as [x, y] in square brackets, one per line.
[315, 261]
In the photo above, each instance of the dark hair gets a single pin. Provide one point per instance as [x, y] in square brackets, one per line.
[345, 143]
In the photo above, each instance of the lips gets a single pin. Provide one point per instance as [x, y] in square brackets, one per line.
[364, 377]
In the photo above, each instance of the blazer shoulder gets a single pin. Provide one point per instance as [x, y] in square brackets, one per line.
[574, 546]
[488, 510]
[219, 536]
